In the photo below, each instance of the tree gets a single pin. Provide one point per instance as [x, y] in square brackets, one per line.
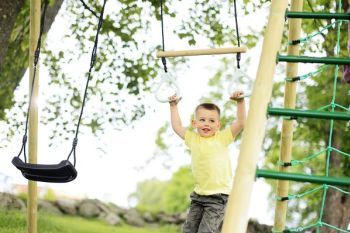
[14, 33]
[176, 194]
[149, 195]
[50, 195]
[170, 196]
[125, 64]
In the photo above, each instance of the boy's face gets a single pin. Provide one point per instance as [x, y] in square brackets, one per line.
[207, 122]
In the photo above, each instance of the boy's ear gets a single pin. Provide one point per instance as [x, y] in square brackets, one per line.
[193, 123]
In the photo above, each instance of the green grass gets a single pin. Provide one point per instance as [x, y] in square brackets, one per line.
[15, 222]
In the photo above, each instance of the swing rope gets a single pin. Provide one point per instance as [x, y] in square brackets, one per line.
[36, 60]
[163, 43]
[92, 64]
[167, 79]
[238, 55]
[89, 9]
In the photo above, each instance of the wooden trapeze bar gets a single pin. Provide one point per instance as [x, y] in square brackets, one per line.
[198, 52]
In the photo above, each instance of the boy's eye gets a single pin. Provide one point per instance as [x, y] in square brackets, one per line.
[201, 119]
[212, 121]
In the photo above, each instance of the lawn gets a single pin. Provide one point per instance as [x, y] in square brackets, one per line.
[15, 222]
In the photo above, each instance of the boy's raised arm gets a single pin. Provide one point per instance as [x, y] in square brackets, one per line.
[237, 126]
[175, 117]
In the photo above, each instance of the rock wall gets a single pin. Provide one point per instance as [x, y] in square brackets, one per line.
[109, 213]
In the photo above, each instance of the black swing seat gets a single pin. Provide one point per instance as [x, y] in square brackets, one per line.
[62, 172]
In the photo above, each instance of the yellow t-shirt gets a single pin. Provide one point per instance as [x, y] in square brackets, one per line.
[211, 163]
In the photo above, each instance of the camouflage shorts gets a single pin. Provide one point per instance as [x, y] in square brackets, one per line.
[206, 213]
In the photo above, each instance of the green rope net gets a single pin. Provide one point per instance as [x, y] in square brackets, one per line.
[306, 40]
[327, 151]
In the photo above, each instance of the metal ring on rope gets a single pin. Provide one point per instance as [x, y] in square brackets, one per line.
[169, 82]
[237, 74]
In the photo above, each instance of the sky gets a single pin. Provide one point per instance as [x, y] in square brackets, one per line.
[113, 176]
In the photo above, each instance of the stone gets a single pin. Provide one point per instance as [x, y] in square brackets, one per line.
[48, 207]
[9, 202]
[133, 218]
[89, 209]
[112, 219]
[67, 206]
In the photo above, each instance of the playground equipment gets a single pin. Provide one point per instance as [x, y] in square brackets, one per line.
[236, 217]
[64, 171]
[169, 81]
[198, 52]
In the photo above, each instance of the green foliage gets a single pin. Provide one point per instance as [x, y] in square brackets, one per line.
[159, 142]
[125, 63]
[23, 196]
[176, 195]
[149, 194]
[50, 195]
[165, 196]
[13, 222]
[163, 148]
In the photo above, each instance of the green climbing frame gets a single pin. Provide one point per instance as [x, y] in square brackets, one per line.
[326, 181]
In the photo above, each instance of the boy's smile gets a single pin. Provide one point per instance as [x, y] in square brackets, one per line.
[206, 122]
[205, 132]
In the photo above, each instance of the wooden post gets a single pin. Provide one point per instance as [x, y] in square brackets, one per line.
[198, 52]
[35, 10]
[236, 216]
[287, 125]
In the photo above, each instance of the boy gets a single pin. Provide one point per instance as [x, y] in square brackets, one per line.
[211, 165]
